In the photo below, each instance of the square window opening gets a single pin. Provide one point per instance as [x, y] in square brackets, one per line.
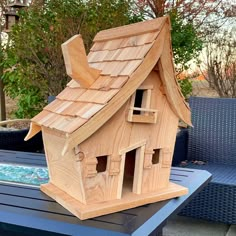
[101, 164]
[156, 156]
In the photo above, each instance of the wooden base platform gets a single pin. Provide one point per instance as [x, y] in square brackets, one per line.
[129, 200]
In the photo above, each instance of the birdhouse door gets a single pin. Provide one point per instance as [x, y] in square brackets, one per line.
[131, 171]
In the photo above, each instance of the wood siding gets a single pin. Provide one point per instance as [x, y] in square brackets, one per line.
[118, 134]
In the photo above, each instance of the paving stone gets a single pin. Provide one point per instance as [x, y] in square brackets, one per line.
[232, 231]
[185, 226]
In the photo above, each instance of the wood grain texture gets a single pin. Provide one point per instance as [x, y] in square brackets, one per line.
[130, 30]
[114, 46]
[135, 137]
[119, 99]
[77, 66]
[112, 89]
[130, 200]
[73, 84]
[159, 135]
[98, 96]
[138, 170]
[102, 83]
[70, 94]
[116, 130]
[150, 119]
[34, 129]
[94, 120]
[175, 98]
[65, 172]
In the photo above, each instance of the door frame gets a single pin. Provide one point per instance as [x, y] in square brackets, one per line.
[138, 168]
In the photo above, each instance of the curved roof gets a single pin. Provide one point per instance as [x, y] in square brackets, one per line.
[124, 57]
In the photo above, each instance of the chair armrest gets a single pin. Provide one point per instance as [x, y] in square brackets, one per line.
[181, 147]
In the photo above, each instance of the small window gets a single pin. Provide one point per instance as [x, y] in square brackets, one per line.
[156, 156]
[139, 100]
[140, 107]
[101, 164]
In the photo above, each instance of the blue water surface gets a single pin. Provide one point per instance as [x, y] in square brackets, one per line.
[23, 174]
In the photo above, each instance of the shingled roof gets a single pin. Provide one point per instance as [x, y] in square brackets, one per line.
[124, 57]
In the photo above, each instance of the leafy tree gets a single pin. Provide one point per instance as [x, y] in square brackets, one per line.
[186, 46]
[34, 65]
[186, 87]
[2, 95]
[185, 42]
[192, 21]
[105, 14]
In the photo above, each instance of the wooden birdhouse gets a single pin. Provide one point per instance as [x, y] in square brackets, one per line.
[11, 13]
[109, 135]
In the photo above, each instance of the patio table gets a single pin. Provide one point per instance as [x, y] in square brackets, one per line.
[25, 210]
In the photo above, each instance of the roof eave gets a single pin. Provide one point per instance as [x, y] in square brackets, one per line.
[171, 87]
[34, 129]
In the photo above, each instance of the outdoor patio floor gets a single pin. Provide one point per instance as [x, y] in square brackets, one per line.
[185, 226]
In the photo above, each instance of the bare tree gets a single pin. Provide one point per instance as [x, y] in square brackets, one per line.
[221, 64]
[206, 15]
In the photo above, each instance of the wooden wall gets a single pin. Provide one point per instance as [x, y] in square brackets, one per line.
[76, 172]
[64, 171]
[117, 135]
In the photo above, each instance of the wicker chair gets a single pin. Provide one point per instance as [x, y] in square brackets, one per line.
[14, 139]
[211, 145]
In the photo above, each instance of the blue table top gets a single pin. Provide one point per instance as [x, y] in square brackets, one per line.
[28, 209]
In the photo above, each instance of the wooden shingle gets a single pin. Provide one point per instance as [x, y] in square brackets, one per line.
[112, 44]
[38, 118]
[73, 84]
[97, 46]
[97, 96]
[102, 83]
[53, 105]
[63, 106]
[60, 119]
[70, 94]
[53, 118]
[130, 67]
[43, 117]
[82, 109]
[89, 110]
[112, 55]
[130, 30]
[97, 56]
[67, 124]
[73, 109]
[133, 53]
[97, 65]
[111, 66]
[147, 38]
[118, 82]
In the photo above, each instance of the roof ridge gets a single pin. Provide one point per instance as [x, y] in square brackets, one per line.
[131, 29]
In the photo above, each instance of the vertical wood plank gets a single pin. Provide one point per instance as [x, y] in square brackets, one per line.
[121, 177]
[138, 171]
